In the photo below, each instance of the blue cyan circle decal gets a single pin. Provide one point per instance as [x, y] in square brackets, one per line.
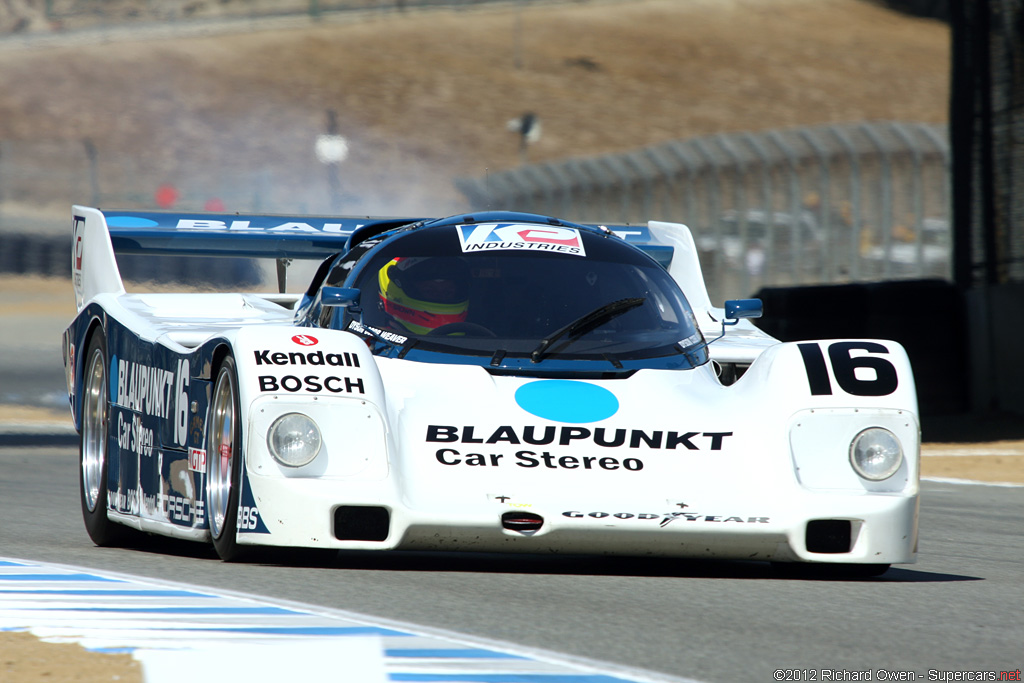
[564, 400]
[130, 222]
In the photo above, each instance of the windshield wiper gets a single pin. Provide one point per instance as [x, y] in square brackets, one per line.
[584, 324]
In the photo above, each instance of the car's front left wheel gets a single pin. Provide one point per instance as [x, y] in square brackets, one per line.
[224, 463]
[94, 463]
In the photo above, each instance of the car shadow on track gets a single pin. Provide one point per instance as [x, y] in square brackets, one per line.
[566, 565]
[397, 561]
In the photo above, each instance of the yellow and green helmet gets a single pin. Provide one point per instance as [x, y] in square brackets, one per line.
[421, 294]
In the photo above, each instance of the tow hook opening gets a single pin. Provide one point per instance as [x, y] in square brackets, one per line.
[521, 521]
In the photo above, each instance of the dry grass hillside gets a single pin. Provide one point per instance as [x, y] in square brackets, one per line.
[424, 97]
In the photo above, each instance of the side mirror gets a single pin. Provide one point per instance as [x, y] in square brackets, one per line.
[735, 309]
[344, 297]
[743, 308]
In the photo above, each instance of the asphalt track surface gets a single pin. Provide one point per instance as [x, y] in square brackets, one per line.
[958, 609]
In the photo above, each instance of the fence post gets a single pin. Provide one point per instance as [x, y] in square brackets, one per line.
[829, 231]
[740, 194]
[885, 190]
[916, 191]
[522, 191]
[616, 173]
[795, 206]
[592, 167]
[766, 185]
[678, 149]
[94, 183]
[562, 189]
[630, 159]
[581, 179]
[667, 173]
[718, 263]
[542, 188]
[855, 220]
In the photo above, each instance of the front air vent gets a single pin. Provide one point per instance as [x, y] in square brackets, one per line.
[521, 521]
[829, 536]
[361, 523]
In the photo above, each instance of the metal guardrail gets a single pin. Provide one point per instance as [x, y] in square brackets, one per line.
[828, 204]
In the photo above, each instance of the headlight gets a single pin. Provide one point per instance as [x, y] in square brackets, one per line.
[876, 454]
[294, 440]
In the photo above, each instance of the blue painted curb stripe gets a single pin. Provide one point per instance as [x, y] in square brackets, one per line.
[451, 654]
[175, 610]
[301, 630]
[108, 593]
[56, 577]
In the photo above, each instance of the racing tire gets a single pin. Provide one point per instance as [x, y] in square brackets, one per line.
[92, 447]
[224, 464]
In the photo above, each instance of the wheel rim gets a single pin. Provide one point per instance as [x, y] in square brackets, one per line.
[220, 452]
[94, 429]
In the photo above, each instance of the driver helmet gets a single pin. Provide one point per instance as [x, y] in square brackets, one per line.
[420, 294]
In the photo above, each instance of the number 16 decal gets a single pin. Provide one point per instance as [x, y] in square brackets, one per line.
[845, 367]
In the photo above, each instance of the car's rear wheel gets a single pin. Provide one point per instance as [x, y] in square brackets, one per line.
[224, 463]
[92, 451]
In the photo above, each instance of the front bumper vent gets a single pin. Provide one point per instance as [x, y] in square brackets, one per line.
[362, 523]
[521, 521]
[830, 536]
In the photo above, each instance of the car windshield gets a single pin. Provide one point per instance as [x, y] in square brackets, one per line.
[573, 295]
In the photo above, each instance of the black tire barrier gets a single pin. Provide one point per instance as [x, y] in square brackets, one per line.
[35, 255]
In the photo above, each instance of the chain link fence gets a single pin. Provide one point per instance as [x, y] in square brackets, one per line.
[817, 205]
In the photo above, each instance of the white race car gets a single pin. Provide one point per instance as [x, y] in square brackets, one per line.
[497, 382]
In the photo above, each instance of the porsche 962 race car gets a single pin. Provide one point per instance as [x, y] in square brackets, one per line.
[489, 382]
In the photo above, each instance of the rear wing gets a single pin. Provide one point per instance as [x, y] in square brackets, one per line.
[100, 235]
